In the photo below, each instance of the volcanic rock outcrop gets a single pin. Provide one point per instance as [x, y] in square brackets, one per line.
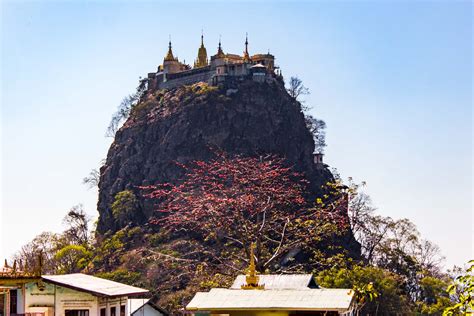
[188, 123]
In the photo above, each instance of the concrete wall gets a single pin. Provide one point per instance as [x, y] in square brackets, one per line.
[147, 310]
[55, 300]
[61, 298]
[21, 300]
[187, 80]
[108, 303]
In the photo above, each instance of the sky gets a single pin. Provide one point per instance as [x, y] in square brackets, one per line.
[392, 80]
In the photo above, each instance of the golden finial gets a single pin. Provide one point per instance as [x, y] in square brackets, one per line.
[169, 55]
[220, 52]
[201, 60]
[246, 52]
[251, 277]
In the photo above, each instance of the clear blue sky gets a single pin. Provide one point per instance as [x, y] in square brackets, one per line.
[393, 81]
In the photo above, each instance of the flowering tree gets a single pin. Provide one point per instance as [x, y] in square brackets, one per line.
[462, 293]
[230, 202]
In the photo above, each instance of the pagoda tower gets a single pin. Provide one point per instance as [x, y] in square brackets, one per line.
[201, 60]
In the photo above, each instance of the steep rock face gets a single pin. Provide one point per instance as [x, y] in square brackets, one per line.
[183, 124]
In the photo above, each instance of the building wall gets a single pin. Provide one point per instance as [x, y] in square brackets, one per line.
[108, 303]
[171, 67]
[147, 310]
[187, 80]
[21, 300]
[62, 298]
[220, 68]
[55, 300]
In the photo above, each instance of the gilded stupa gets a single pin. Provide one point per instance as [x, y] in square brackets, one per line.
[201, 60]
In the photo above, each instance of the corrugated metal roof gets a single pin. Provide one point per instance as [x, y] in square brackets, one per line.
[309, 299]
[93, 285]
[280, 281]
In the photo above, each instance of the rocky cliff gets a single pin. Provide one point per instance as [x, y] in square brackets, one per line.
[184, 124]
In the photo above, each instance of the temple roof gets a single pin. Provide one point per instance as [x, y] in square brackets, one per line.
[201, 60]
[291, 300]
[169, 56]
[280, 281]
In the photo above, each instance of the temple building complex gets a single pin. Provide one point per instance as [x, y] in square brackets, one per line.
[220, 68]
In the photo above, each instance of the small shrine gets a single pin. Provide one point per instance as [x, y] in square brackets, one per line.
[271, 294]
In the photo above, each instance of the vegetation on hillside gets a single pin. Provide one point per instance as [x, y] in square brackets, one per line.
[229, 202]
[201, 231]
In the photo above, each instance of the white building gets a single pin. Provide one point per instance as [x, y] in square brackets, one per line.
[64, 295]
[144, 307]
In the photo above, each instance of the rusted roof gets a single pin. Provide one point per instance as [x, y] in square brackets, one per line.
[94, 285]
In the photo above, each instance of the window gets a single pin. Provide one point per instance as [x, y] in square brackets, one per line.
[112, 311]
[2, 302]
[13, 301]
[122, 310]
[102, 312]
[76, 312]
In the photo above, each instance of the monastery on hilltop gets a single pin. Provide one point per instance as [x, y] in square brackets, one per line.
[220, 68]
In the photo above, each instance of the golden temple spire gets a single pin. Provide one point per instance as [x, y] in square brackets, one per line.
[251, 277]
[246, 52]
[169, 56]
[201, 60]
[220, 52]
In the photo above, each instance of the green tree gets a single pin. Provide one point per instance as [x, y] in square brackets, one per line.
[124, 207]
[66, 252]
[390, 298]
[124, 109]
[317, 128]
[123, 276]
[462, 293]
[47, 244]
[72, 258]
[395, 245]
[433, 298]
[77, 223]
